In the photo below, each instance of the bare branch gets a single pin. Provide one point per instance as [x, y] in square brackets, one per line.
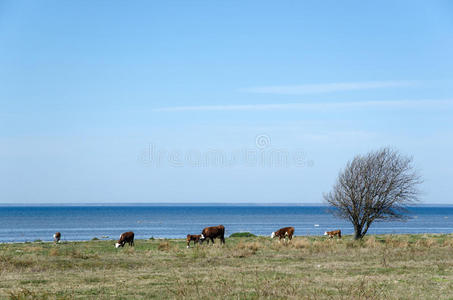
[377, 186]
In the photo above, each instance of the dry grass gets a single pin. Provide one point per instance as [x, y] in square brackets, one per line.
[301, 243]
[386, 267]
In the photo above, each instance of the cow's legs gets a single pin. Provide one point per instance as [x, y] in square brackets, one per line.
[212, 240]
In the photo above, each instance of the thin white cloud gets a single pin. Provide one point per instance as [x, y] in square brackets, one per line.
[326, 87]
[313, 106]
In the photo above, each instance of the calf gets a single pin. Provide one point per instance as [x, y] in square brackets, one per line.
[193, 237]
[283, 233]
[212, 233]
[331, 234]
[127, 237]
[57, 237]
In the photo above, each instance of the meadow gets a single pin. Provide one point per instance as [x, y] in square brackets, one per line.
[382, 266]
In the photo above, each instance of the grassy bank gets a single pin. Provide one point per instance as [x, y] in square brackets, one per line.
[399, 267]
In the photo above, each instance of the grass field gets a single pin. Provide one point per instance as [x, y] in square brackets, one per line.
[391, 267]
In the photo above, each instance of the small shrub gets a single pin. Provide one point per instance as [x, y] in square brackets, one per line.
[403, 244]
[300, 244]
[95, 239]
[164, 246]
[425, 243]
[371, 242]
[392, 242]
[420, 243]
[448, 243]
[242, 234]
[431, 242]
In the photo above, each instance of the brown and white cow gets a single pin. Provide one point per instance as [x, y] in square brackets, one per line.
[212, 233]
[127, 237]
[283, 233]
[333, 233]
[57, 237]
[193, 237]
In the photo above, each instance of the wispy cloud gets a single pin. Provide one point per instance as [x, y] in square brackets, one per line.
[313, 106]
[326, 87]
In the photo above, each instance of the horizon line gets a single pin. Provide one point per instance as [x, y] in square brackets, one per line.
[193, 204]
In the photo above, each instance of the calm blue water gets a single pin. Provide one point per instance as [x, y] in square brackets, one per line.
[20, 224]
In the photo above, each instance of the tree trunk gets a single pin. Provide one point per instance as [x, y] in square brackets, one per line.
[357, 232]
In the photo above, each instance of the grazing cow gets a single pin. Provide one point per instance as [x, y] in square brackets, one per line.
[127, 237]
[193, 237]
[331, 234]
[283, 233]
[212, 233]
[57, 237]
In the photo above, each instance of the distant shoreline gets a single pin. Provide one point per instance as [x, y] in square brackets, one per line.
[112, 239]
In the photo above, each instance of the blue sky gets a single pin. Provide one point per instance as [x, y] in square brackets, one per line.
[90, 91]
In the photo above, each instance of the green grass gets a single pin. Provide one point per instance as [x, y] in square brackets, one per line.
[242, 234]
[383, 266]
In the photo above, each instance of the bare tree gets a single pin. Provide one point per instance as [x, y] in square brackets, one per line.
[377, 186]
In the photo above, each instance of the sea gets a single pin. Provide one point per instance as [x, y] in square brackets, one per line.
[85, 222]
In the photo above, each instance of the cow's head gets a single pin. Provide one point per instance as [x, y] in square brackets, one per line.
[272, 235]
[325, 233]
[117, 245]
[202, 238]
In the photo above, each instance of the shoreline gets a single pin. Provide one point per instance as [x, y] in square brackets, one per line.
[346, 236]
